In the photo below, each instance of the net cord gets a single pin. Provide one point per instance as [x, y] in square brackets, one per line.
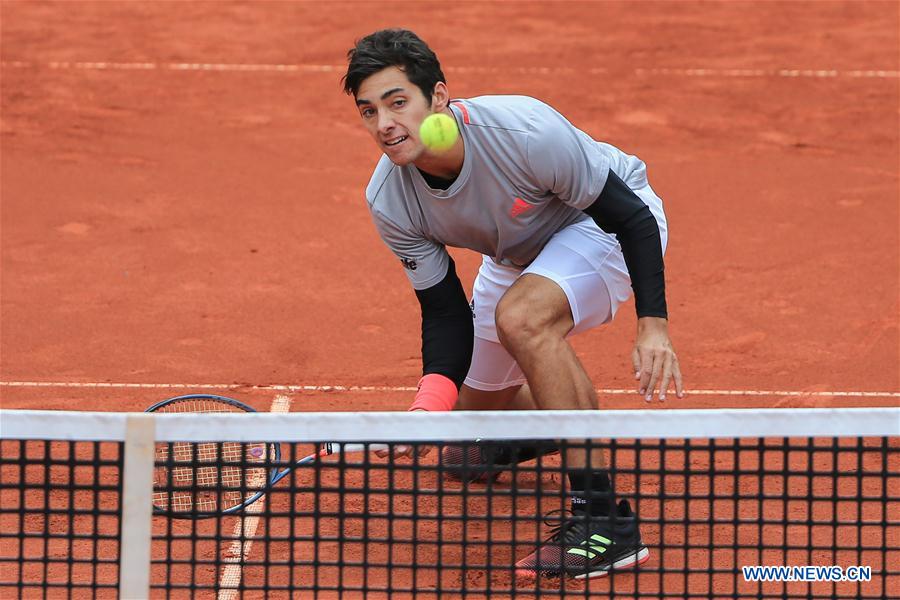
[460, 425]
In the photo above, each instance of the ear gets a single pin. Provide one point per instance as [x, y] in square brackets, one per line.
[440, 97]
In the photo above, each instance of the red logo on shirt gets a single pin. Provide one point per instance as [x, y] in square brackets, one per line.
[519, 206]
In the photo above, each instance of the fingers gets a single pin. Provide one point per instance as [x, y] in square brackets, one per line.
[636, 362]
[676, 373]
[657, 369]
[664, 380]
[403, 451]
[398, 451]
[645, 373]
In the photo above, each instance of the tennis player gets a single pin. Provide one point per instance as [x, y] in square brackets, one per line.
[567, 227]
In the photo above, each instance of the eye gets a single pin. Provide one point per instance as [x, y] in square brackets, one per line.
[399, 102]
[367, 112]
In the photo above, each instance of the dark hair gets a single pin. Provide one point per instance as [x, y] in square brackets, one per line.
[393, 48]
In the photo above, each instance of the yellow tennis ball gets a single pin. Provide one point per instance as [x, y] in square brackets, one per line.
[438, 132]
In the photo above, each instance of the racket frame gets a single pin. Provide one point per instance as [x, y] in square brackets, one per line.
[273, 451]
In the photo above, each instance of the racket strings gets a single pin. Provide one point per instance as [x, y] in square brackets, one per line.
[207, 476]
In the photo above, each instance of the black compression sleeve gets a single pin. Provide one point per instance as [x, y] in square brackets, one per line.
[447, 328]
[618, 210]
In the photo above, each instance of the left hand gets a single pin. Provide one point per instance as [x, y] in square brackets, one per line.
[654, 359]
[403, 450]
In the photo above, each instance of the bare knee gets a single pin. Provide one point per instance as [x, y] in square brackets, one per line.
[531, 316]
[516, 328]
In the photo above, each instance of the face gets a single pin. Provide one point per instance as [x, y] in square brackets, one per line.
[392, 108]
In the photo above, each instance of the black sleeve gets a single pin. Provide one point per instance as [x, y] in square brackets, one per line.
[619, 211]
[447, 328]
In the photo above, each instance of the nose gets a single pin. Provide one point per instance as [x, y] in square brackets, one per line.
[385, 122]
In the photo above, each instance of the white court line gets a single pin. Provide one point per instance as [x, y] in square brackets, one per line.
[245, 529]
[317, 68]
[187, 387]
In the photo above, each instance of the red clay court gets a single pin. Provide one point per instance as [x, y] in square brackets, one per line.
[183, 207]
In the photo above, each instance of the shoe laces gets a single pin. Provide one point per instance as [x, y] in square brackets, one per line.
[559, 525]
[568, 527]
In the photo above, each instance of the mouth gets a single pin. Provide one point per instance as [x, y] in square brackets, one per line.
[396, 141]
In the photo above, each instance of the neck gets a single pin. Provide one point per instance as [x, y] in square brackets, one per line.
[446, 165]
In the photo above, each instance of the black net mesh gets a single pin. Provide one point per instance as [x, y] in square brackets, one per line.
[690, 518]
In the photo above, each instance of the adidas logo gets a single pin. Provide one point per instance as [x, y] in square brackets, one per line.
[519, 206]
[593, 547]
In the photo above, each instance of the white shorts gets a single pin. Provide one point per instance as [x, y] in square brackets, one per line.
[584, 261]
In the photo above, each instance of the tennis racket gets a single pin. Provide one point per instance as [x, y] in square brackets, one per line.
[198, 480]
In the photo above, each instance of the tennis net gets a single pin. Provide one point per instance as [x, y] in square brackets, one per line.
[771, 503]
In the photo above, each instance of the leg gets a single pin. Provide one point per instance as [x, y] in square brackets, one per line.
[523, 400]
[565, 294]
[483, 459]
[494, 383]
[533, 319]
[471, 398]
[517, 397]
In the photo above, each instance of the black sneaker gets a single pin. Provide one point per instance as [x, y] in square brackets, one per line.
[582, 546]
[483, 460]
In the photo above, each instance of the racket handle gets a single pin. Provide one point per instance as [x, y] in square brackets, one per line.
[336, 448]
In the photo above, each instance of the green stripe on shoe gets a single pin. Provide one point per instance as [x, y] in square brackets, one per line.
[592, 550]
